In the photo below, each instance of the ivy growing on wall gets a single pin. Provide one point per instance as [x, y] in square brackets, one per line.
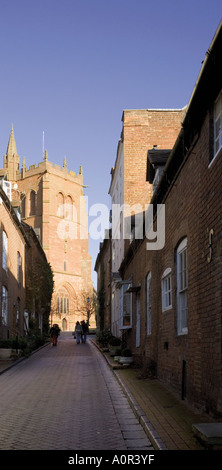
[40, 285]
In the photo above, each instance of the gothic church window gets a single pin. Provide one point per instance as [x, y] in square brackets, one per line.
[69, 208]
[60, 205]
[62, 301]
[32, 210]
[23, 199]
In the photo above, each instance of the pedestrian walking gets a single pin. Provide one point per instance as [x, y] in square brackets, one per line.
[78, 332]
[85, 330]
[54, 333]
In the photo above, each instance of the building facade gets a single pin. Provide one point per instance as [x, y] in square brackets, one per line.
[25, 276]
[174, 293]
[12, 273]
[103, 269]
[51, 200]
[129, 189]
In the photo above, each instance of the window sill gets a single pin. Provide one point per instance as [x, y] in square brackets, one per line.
[183, 333]
[214, 158]
[167, 309]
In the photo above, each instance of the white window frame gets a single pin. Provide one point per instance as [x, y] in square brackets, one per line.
[166, 290]
[4, 250]
[125, 306]
[19, 267]
[18, 310]
[218, 124]
[4, 305]
[182, 288]
[148, 304]
[138, 309]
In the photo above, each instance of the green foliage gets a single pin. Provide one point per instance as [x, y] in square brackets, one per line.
[126, 352]
[6, 343]
[114, 341]
[118, 352]
[103, 337]
[40, 284]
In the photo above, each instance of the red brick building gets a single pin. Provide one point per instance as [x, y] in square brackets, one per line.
[52, 202]
[25, 293]
[175, 328]
[12, 274]
[103, 269]
[129, 188]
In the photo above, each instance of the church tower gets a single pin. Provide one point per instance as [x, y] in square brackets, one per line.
[11, 159]
[52, 202]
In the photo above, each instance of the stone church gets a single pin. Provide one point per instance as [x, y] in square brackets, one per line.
[51, 200]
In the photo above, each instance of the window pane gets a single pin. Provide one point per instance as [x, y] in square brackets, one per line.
[126, 306]
[148, 303]
[218, 124]
[182, 286]
[4, 250]
[4, 305]
[126, 309]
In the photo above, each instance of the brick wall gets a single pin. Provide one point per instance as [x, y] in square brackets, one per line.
[193, 207]
[9, 278]
[59, 217]
[142, 129]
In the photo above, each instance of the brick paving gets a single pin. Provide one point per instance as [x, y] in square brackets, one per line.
[66, 398]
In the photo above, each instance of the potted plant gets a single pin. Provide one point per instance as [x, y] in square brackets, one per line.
[117, 355]
[126, 357]
[113, 343]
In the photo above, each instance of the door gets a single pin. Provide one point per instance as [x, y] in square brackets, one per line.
[137, 319]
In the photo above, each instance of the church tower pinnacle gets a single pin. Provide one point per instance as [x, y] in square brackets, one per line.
[11, 159]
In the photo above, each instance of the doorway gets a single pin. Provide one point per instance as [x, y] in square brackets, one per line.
[64, 324]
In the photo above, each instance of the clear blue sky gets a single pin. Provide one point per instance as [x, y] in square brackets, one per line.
[70, 67]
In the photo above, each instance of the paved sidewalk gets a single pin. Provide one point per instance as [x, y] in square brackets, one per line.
[166, 419]
[64, 398]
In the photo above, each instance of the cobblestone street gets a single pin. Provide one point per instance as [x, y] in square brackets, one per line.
[66, 398]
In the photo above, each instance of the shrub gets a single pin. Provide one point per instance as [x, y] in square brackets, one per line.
[103, 337]
[118, 352]
[6, 343]
[114, 341]
[126, 352]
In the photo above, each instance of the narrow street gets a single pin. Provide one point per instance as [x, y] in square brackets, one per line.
[66, 398]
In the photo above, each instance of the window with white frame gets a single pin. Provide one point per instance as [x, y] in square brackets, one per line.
[148, 303]
[126, 306]
[18, 308]
[218, 124]
[166, 290]
[182, 287]
[19, 267]
[4, 250]
[4, 305]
